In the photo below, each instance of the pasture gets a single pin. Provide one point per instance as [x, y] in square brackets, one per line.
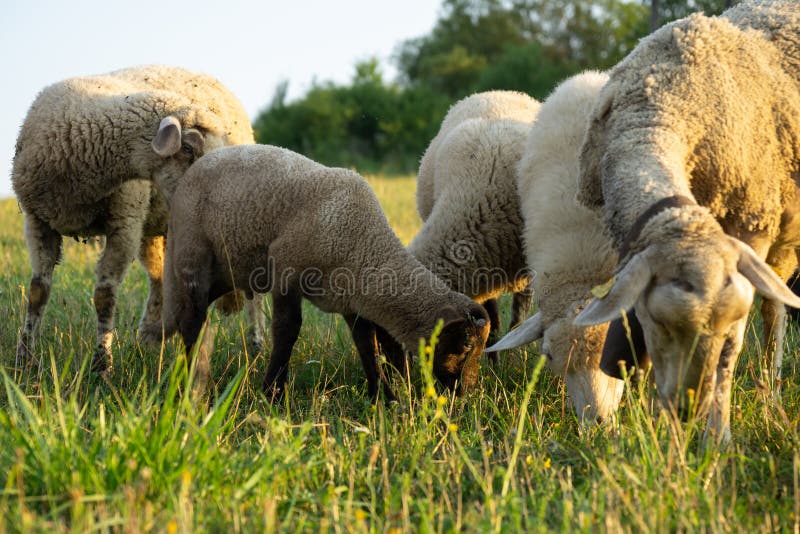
[133, 454]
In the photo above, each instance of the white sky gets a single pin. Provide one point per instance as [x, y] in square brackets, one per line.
[249, 46]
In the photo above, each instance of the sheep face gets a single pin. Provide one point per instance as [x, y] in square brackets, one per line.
[693, 309]
[691, 295]
[574, 352]
[457, 356]
[176, 148]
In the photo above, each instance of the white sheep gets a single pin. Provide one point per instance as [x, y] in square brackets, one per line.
[568, 250]
[467, 199]
[266, 219]
[692, 151]
[85, 158]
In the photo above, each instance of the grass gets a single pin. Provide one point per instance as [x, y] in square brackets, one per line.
[133, 454]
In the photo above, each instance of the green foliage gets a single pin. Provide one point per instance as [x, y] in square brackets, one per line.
[524, 68]
[676, 9]
[564, 36]
[468, 36]
[476, 45]
[368, 124]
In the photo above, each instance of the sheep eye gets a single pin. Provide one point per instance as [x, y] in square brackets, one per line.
[685, 285]
[187, 149]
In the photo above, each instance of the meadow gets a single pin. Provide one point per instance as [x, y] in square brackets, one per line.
[133, 453]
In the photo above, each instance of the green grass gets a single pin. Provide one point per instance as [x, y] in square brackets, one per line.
[133, 454]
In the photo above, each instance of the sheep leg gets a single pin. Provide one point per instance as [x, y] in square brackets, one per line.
[119, 251]
[493, 311]
[151, 256]
[521, 305]
[192, 299]
[719, 419]
[44, 250]
[127, 209]
[365, 338]
[394, 352]
[255, 312]
[774, 316]
[287, 317]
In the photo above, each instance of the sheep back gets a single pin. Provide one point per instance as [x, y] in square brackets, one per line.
[488, 105]
[673, 117]
[83, 136]
[272, 219]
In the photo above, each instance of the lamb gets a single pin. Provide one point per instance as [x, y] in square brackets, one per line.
[467, 199]
[693, 153]
[265, 219]
[85, 158]
[567, 248]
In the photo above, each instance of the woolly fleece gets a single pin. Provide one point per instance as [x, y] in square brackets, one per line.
[568, 249]
[262, 218]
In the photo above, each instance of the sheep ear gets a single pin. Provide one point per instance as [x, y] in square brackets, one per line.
[629, 284]
[531, 330]
[624, 347]
[761, 275]
[167, 141]
[449, 315]
[194, 139]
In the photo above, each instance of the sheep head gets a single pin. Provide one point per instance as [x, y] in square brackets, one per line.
[176, 148]
[691, 286]
[457, 356]
[572, 352]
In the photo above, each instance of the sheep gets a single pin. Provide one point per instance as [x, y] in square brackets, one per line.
[265, 219]
[568, 249]
[692, 153]
[467, 199]
[85, 158]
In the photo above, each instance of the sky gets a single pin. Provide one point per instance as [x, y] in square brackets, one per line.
[249, 46]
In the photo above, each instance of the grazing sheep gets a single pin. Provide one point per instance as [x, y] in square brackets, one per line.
[567, 248]
[693, 153]
[267, 219]
[85, 158]
[467, 199]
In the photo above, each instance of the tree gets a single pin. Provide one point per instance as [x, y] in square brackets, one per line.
[467, 37]
[475, 45]
[527, 68]
[367, 124]
[475, 36]
[676, 9]
[655, 16]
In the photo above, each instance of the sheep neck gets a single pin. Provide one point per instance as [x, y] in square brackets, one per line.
[676, 201]
[407, 303]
